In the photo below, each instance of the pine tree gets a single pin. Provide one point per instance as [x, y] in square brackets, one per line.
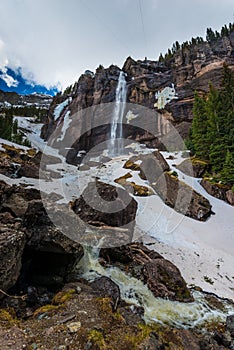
[215, 135]
[227, 174]
[199, 127]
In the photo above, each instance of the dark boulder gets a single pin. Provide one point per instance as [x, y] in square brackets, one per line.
[193, 167]
[160, 275]
[218, 190]
[151, 165]
[105, 287]
[165, 281]
[182, 197]
[12, 243]
[107, 207]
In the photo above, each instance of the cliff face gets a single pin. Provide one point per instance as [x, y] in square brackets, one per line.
[148, 83]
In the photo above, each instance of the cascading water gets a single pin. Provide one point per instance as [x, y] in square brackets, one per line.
[116, 139]
[133, 291]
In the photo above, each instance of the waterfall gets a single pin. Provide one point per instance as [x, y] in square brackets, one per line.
[135, 292]
[116, 139]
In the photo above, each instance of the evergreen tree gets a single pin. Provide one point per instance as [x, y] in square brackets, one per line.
[212, 130]
[199, 127]
[227, 174]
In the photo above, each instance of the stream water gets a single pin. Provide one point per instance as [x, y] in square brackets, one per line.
[133, 291]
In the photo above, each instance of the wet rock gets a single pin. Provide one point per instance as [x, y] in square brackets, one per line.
[128, 254]
[161, 276]
[164, 280]
[105, 287]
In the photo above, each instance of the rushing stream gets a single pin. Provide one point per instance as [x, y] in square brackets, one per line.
[133, 291]
[116, 139]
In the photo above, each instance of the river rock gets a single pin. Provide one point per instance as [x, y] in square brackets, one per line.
[165, 281]
[160, 275]
[107, 288]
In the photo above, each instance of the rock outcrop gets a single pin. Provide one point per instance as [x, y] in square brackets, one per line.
[160, 275]
[193, 167]
[191, 68]
[219, 191]
[12, 243]
[182, 197]
[174, 193]
[29, 238]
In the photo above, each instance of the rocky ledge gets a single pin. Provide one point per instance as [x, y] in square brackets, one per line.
[219, 191]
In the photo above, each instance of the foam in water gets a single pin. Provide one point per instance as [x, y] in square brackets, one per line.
[116, 139]
[133, 291]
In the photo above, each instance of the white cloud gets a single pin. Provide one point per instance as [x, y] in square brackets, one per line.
[58, 40]
[10, 81]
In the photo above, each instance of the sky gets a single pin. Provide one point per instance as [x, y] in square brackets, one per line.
[55, 41]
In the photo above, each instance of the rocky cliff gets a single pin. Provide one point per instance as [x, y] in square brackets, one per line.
[166, 88]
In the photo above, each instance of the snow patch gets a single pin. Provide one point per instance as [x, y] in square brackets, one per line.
[66, 122]
[58, 109]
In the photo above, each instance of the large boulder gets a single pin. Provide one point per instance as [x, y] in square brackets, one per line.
[12, 243]
[105, 287]
[193, 167]
[165, 281]
[218, 190]
[109, 210]
[150, 166]
[181, 197]
[160, 275]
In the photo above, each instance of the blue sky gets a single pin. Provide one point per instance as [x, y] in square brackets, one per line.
[56, 40]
